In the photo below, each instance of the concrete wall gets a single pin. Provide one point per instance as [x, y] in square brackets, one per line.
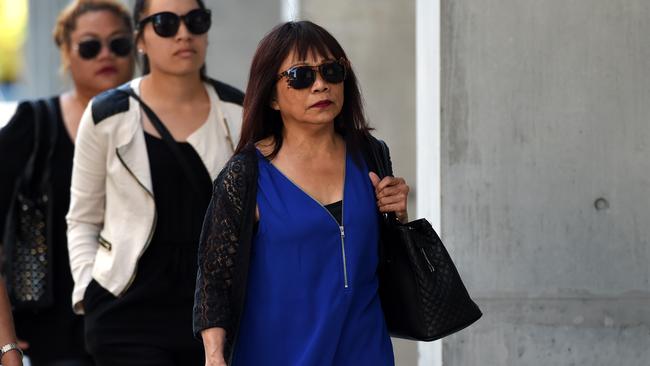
[237, 28]
[379, 38]
[41, 77]
[546, 183]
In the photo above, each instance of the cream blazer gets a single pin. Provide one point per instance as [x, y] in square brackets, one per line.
[112, 215]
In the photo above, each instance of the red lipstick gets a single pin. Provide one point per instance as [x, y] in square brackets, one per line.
[107, 70]
[322, 104]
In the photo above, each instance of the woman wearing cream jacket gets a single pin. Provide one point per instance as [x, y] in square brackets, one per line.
[141, 183]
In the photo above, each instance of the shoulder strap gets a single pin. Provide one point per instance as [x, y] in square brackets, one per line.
[51, 120]
[28, 173]
[167, 137]
[379, 158]
[385, 158]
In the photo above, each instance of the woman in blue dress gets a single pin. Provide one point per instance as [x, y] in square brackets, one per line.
[289, 250]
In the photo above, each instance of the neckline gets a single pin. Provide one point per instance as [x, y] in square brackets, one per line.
[159, 139]
[298, 187]
[334, 204]
[212, 96]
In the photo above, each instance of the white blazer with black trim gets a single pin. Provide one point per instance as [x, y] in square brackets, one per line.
[112, 213]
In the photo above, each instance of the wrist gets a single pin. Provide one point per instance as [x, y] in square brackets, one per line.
[10, 350]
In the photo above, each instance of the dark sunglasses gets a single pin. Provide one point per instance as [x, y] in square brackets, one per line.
[166, 24]
[301, 77]
[118, 46]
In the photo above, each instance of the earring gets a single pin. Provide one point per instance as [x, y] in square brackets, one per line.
[140, 51]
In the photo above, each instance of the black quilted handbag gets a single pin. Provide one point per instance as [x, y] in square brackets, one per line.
[421, 292]
[27, 241]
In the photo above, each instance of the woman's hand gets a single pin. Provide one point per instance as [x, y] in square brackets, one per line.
[392, 195]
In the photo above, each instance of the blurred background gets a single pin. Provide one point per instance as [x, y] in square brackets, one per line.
[523, 129]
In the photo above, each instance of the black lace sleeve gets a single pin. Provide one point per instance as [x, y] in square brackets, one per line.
[225, 239]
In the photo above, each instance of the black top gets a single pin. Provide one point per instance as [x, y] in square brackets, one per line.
[225, 244]
[54, 333]
[179, 209]
[158, 304]
[336, 209]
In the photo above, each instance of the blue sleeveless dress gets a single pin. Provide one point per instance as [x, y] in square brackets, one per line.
[312, 284]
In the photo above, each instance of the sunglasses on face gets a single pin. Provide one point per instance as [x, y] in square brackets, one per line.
[120, 47]
[301, 77]
[166, 24]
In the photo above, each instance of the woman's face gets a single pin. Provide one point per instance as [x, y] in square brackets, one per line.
[105, 69]
[180, 54]
[317, 104]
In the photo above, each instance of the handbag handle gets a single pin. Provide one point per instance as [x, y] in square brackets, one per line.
[167, 137]
[382, 163]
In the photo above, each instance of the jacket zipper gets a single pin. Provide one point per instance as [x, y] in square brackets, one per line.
[151, 230]
[104, 243]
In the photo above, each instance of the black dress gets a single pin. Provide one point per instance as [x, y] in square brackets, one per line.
[56, 333]
[153, 319]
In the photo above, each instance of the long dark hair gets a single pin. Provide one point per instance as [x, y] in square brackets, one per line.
[260, 120]
[138, 11]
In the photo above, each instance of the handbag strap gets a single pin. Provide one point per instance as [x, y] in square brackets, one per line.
[28, 173]
[51, 120]
[380, 158]
[167, 137]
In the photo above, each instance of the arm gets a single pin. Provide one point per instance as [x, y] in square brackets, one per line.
[87, 200]
[219, 247]
[214, 340]
[16, 144]
[7, 334]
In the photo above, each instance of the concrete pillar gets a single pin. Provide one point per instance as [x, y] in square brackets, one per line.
[428, 134]
[237, 28]
[41, 77]
[545, 187]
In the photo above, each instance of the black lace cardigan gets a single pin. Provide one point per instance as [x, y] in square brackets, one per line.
[225, 243]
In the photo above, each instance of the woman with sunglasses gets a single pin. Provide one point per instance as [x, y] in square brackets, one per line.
[147, 153]
[95, 40]
[289, 251]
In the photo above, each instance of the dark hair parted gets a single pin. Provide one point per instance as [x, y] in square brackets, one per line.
[260, 120]
[139, 9]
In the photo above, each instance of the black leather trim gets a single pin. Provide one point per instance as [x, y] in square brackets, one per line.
[109, 103]
[228, 93]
